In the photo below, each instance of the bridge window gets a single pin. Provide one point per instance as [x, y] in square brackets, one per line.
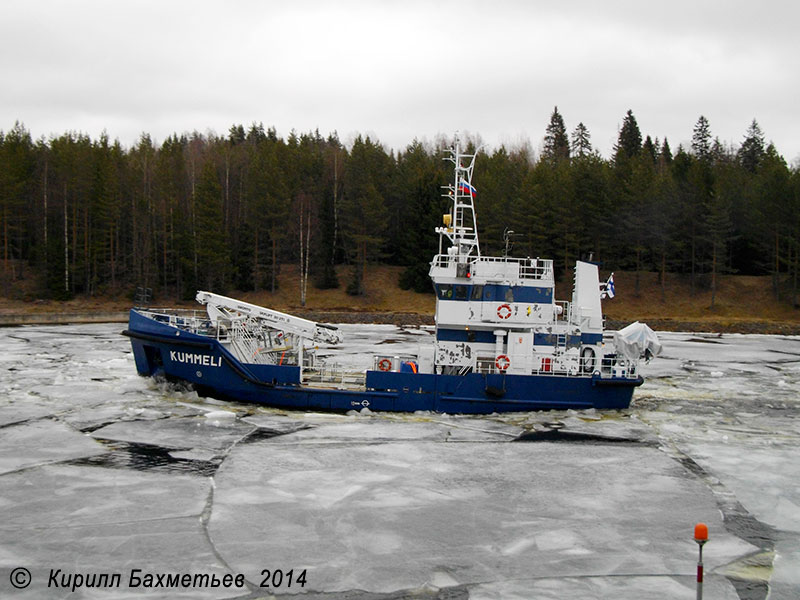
[445, 292]
[462, 291]
[477, 292]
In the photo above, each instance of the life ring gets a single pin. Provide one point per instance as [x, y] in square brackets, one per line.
[384, 364]
[587, 359]
[504, 311]
[502, 362]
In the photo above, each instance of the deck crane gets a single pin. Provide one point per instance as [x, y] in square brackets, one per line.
[231, 309]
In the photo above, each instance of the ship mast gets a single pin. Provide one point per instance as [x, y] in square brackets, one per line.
[460, 225]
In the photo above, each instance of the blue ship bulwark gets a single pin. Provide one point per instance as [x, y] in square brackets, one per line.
[162, 350]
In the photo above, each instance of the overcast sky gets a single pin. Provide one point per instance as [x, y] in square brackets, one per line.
[403, 69]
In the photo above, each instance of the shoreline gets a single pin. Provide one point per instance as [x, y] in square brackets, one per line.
[410, 319]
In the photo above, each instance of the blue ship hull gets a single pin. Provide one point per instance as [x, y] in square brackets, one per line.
[163, 350]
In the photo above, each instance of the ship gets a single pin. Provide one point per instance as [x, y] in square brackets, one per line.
[502, 342]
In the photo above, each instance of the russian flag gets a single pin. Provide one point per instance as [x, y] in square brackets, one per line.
[466, 188]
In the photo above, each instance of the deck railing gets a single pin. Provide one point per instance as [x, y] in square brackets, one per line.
[529, 268]
[195, 321]
[610, 366]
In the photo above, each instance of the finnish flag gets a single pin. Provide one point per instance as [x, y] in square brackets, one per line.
[609, 288]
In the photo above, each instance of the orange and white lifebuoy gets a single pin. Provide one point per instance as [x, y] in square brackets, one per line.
[384, 364]
[502, 362]
[504, 311]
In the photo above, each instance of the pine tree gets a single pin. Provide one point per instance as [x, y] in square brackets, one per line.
[236, 134]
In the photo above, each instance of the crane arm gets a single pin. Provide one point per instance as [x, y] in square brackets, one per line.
[274, 318]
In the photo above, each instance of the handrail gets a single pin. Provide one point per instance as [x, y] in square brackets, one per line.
[529, 268]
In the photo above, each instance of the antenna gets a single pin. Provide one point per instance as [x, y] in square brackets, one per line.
[507, 233]
[460, 225]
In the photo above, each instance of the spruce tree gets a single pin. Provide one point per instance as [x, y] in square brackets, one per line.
[581, 141]
[556, 142]
[649, 149]
[629, 142]
[666, 153]
[752, 149]
[701, 139]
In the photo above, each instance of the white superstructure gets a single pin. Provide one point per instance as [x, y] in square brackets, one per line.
[499, 314]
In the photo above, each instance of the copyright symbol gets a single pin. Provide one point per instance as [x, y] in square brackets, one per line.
[20, 578]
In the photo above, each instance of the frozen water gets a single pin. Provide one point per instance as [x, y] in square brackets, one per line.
[82, 519]
[40, 442]
[178, 432]
[101, 470]
[385, 516]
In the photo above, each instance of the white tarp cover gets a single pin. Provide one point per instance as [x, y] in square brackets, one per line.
[637, 340]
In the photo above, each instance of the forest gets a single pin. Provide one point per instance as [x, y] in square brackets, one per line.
[223, 213]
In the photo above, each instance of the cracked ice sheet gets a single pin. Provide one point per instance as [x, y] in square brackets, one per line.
[739, 422]
[24, 408]
[746, 387]
[88, 519]
[332, 427]
[388, 516]
[708, 351]
[40, 442]
[377, 427]
[766, 480]
[178, 432]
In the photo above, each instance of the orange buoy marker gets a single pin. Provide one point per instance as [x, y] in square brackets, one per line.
[701, 537]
